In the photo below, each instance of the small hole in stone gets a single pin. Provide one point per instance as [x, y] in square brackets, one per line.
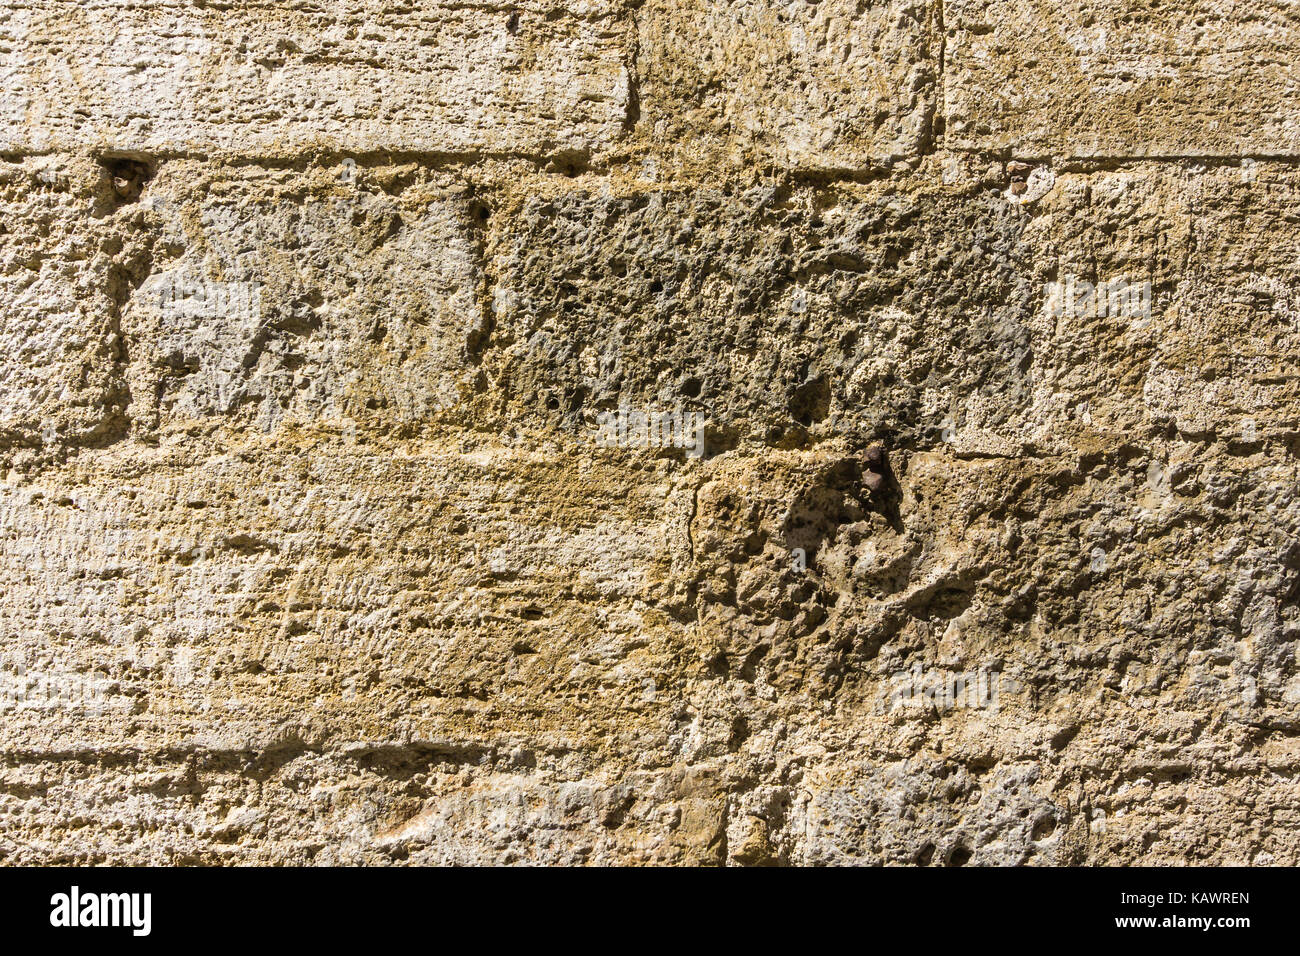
[811, 401]
[958, 856]
[691, 387]
[1043, 829]
[127, 176]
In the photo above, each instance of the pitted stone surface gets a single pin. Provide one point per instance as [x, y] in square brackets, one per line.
[1115, 79]
[317, 545]
[838, 85]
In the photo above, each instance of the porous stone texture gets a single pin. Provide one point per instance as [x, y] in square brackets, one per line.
[265, 78]
[983, 320]
[1117, 78]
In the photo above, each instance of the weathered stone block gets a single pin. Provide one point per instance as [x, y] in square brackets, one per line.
[1039, 78]
[63, 279]
[262, 78]
[340, 304]
[836, 85]
[951, 312]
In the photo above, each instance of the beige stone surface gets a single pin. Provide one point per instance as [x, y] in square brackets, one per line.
[277, 79]
[1116, 79]
[837, 85]
[965, 532]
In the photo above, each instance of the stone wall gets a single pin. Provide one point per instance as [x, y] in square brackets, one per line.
[678, 431]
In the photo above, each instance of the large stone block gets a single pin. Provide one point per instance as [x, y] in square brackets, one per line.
[772, 313]
[396, 591]
[1041, 78]
[259, 77]
[64, 275]
[942, 306]
[266, 302]
[835, 86]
